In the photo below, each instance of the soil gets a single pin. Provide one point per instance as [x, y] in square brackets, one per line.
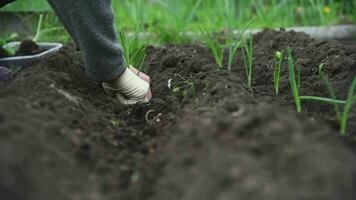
[62, 138]
[28, 47]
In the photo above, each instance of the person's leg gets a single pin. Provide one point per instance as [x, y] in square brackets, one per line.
[90, 23]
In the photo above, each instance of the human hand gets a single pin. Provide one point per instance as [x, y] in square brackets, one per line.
[129, 88]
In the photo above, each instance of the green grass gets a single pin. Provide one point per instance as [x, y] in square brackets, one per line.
[167, 18]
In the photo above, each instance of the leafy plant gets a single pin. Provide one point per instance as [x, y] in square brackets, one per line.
[134, 49]
[248, 59]
[294, 80]
[236, 45]
[278, 61]
[4, 40]
[215, 47]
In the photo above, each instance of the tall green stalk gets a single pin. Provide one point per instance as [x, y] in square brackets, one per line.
[323, 76]
[278, 61]
[134, 49]
[215, 47]
[236, 45]
[248, 59]
[351, 98]
[294, 83]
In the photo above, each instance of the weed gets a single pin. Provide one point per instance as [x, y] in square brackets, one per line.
[278, 61]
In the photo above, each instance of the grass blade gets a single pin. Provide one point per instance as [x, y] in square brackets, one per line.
[323, 99]
[293, 81]
[233, 49]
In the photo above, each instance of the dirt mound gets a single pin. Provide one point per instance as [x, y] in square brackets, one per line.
[209, 138]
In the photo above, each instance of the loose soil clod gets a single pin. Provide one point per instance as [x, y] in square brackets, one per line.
[224, 143]
[28, 47]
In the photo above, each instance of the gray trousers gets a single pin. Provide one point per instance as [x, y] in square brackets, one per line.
[91, 25]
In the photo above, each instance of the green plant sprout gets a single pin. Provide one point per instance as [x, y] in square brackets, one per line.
[236, 45]
[134, 49]
[323, 76]
[183, 85]
[215, 47]
[333, 100]
[278, 61]
[294, 81]
[40, 31]
[248, 59]
[351, 97]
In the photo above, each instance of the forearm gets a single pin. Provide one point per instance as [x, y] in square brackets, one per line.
[90, 23]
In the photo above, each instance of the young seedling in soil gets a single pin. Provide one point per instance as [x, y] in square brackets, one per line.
[236, 45]
[333, 100]
[351, 98]
[278, 61]
[294, 80]
[183, 85]
[215, 47]
[134, 50]
[323, 76]
[248, 59]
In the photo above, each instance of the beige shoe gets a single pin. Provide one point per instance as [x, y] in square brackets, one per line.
[128, 88]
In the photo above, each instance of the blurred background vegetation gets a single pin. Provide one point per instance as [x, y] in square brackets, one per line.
[166, 18]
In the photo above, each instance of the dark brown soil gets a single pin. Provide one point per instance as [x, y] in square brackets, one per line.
[28, 47]
[62, 138]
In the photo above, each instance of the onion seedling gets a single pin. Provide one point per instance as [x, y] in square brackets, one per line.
[294, 81]
[134, 50]
[351, 97]
[248, 59]
[215, 47]
[183, 85]
[236, 45]
[323, 76]
[278, 61]
[40, 31]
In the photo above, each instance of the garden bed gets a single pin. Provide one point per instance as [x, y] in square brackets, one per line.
[62, 138]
